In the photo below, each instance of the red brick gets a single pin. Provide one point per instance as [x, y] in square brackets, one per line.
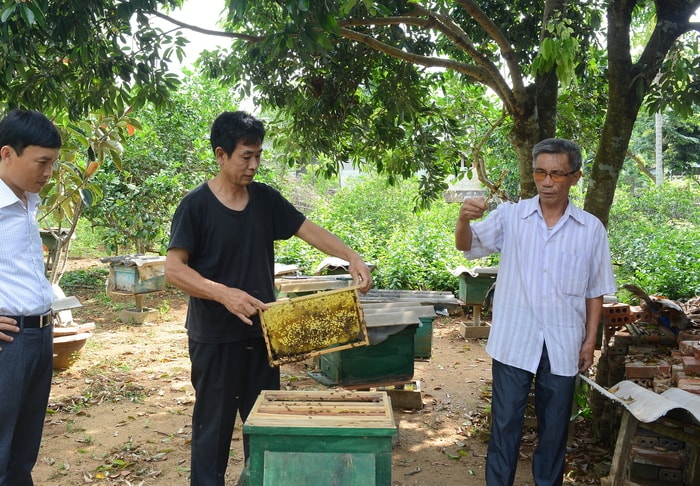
[671, 444]
[691, 365]
[687, 348]
[664, 459]
[689, 335]
[636, 312]
[616, 314]
[641, 369]
[677, 372]
[616, 309]
[671, 476]
[691, 385]
[643, 471]
[646, 441]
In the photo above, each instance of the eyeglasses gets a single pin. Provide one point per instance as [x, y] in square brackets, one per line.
[556, 175]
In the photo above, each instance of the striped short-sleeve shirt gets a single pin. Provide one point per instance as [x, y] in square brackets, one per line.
[544, 277]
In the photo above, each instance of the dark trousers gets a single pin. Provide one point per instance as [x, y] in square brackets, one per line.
[26, 368]
[553, 400]
[227, 379]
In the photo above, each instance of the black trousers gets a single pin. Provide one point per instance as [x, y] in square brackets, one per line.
[227, 378]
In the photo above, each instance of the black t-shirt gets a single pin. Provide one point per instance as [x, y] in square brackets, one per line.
[235, 248]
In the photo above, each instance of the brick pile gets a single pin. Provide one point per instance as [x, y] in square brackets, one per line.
[653, 357]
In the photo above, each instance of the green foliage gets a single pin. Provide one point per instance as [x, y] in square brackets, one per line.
[655, 239]
[73, 57]
[558, 51]
[170, 155]
[88, 242]
[79, 281]
[411, 250]
[421, 254]
[680, 143]
[678, 86]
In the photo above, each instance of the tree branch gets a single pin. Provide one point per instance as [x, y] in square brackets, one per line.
[477, 73]
[461, 39]
[219, 33]
[641, 164]
[504, 45]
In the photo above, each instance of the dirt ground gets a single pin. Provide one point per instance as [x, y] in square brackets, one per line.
[120, 414]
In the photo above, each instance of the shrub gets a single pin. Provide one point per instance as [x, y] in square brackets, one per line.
[655, 239]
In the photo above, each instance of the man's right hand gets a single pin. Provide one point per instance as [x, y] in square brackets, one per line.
[7, 325]
[242, 305]
[473, 208]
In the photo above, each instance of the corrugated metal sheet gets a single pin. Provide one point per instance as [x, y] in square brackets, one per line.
[647, 406]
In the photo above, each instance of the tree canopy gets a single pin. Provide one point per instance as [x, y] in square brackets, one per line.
[393, 84]
[355, 78]
[71, 57]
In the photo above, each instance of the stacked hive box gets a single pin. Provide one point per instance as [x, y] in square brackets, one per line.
[326, 437]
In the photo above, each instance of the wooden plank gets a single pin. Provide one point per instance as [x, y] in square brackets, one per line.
[73, 329]
[392, 305]
[277, 423]
[619, 469]
[425, 296]
[320, 407]
[418, 310]
[312, 395]
[392, 319]
[310, 284]
[328, 409]
[320, 411]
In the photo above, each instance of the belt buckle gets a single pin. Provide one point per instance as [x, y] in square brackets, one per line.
[45, 320]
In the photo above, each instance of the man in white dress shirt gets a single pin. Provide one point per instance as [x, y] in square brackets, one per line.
[29, 146]
[554, 270]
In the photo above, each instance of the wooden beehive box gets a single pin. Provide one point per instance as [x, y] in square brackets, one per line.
[303, 327]
[320, 437]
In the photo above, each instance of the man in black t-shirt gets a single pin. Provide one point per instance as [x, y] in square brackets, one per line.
[221, 253]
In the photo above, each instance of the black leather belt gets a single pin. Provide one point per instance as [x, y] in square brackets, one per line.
[33, 322]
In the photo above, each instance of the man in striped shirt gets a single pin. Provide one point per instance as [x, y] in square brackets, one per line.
[554, 270]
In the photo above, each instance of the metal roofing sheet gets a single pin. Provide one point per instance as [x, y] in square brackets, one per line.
[647, 406]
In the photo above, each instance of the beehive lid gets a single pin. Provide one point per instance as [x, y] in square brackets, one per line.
[303, 327]
[337, 409]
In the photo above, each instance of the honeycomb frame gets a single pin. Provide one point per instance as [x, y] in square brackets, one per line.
[303, 327]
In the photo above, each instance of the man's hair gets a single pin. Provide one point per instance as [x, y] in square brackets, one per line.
[21, 128]
[233, 127]
[558, 146]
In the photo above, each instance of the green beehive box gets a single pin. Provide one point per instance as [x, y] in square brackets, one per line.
[298, 438]
[423, 340]
[474, 287]
[387, 362]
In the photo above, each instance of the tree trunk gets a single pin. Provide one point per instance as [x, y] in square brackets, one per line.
[628, 83]
[525, 134]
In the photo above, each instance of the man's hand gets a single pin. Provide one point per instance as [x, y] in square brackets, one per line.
[242, 304]
[472, 208]
[361, 274]
[585, 357]
[7, 325]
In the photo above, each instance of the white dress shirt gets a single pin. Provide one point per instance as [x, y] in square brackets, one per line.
[544, 277]
[24, 289]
